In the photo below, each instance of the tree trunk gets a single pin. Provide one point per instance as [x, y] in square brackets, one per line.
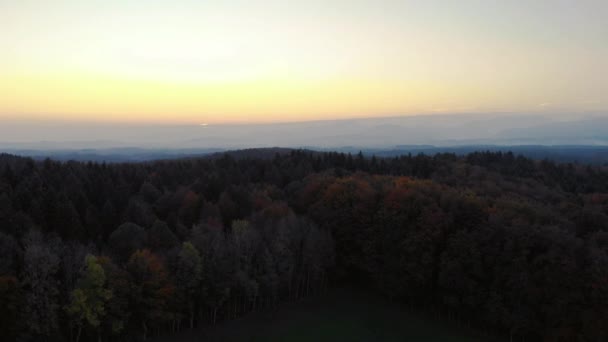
[307, 282]
[235, 306]
[78, 333]
[143, 323]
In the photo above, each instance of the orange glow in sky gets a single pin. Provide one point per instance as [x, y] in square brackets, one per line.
[263, 61]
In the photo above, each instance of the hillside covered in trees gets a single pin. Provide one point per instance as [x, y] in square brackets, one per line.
[499, 242]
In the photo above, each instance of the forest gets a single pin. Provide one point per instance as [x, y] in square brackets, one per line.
[127, 251]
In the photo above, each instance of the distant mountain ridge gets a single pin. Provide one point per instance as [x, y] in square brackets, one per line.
[583, 154]
[377, 133]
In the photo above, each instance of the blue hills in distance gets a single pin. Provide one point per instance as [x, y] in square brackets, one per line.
[565, 138]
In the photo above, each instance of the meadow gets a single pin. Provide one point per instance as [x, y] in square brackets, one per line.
[340, 315]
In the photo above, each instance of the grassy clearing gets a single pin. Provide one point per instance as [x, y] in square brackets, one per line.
[342, 315]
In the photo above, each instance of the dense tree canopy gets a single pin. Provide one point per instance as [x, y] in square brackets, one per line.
[93, 251]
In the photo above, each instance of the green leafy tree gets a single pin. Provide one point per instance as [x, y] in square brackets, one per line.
[161, 238]
[88, 300]
[117, 307]
[126, 239]
[188, 278]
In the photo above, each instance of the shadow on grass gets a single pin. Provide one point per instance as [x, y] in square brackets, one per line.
[341, 315]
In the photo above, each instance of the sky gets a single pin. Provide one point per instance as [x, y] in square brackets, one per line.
[210, 62]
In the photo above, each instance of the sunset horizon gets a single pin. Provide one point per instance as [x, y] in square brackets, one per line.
[185, 62]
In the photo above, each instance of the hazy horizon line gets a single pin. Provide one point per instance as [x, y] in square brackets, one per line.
[556, 114]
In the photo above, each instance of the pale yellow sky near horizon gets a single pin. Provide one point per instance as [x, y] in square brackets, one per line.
[261, 61]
